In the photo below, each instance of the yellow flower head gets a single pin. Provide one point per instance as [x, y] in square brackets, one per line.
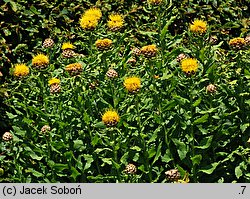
[67, 45]
[149, 50]
[54, 81]
[155, 2]
[103, 44]
[198, 26]
[21, 70]
[40, 61]
[88, 22]
[110, 118]
[132, 84]
[237, 43]
[189, 65]
[94, 12]
[74, 68]
[115, 22]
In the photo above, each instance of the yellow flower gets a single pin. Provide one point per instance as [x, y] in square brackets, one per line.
[132, 84]
[189, 65]
[88, 22]
[110, 118]
[237, 43]
[149, 50]
[74, 68]
[40, 61]
[198, 26]
[54, 81]
[103, 44]
[21, 70]
[94, 12]
[67, 45]
[155, 2]
[115, 22]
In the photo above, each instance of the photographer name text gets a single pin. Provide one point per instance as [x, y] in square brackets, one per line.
[43, 190]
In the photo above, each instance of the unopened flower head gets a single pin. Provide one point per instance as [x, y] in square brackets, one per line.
[40, 61]
[132, 84]
[48, 43]
[110, 118]
[189, 65]
[115, 22]
[88, 22]
[67, 45]
[94, 12]
[211, 88]
[149, 50]
[130, 169]
[198, 26]
[54, 81]
[21, 70]
[103, 44]
[173, 175]
[237, 43]
[7, 136]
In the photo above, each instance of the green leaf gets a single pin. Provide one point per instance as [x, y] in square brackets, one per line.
[165, 28]
[238, 171]
[210, 168]
[205, 143]
[243, 127]
[151, 152]
[197, 102]
[136, 148]
[181, 148]
[201, 120]
[167, 156]
[196, 159]
[117, 166]
[34, 172]
[158, 153]
[89, 159]
[60, 167]
[10, 115]
[74, 173]
[35, 157]
[78, 144]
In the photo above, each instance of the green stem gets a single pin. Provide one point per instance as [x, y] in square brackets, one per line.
[191, 87]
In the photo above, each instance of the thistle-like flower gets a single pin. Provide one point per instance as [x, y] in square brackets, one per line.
[103, 44]
[54, 84]
[237, 43]
[132, 84]
[198, 26]
[155, 2]
[115, 22]
[74, 69]
[110, 118]
[189, 65]
[21, 70]
[94, 12]
[88, 22]
[40, 61]
[68, 50]
[149, 51]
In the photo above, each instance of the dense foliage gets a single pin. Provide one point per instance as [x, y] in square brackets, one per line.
[159, 94]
